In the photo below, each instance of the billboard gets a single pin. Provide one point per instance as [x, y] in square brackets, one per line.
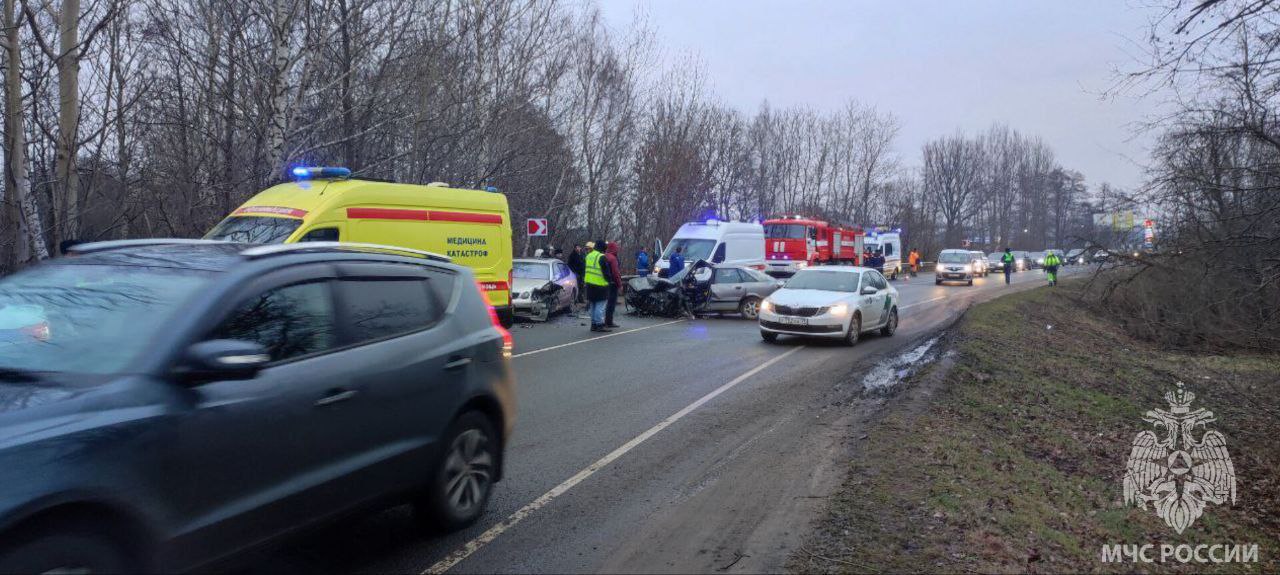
[1120, 221]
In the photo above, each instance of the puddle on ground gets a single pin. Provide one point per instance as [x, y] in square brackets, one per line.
[899, 368]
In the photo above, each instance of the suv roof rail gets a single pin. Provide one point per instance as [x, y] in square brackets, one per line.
[276, 249]
[92, 247]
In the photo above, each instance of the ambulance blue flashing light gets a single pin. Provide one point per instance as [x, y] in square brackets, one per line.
[320, 173]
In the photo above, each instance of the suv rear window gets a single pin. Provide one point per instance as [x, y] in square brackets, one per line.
[378, 309]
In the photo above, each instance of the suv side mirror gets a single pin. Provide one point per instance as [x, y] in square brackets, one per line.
[869, 290]
[224, 359]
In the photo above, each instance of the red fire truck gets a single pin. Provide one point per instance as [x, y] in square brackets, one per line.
[792, 243]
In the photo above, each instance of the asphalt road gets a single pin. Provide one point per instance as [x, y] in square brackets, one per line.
[666, 446]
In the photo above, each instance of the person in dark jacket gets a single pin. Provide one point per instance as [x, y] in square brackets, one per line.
[642, 262]
[578, 264]
[614, 275]
[876, 262]
[676, 263]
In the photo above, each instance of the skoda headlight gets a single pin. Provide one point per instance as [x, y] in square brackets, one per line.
[839, 310]
[766, 305]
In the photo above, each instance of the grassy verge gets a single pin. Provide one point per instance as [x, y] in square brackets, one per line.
[1015, 465]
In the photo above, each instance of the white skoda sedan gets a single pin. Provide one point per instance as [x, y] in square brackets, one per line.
[835, 302]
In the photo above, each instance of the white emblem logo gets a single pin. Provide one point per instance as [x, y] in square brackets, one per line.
[1177, 474]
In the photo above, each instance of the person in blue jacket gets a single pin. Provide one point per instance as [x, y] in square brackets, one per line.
[677, 263]
[642, 262]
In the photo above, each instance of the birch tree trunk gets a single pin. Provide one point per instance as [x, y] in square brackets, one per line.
[16, 181]
[68, 120]
[281, 62]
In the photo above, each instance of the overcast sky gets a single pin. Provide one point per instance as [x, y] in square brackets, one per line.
[939, 65]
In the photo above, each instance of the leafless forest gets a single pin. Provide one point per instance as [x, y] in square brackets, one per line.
[134, 118]
[1214, 283]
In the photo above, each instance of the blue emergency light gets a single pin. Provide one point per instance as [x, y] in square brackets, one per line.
[320, 173]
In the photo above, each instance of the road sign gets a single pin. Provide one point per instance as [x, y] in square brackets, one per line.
[537, 226]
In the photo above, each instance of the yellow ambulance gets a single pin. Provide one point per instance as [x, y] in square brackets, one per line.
[471, 227]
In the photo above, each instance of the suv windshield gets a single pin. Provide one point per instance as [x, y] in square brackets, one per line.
[693, 250]
[530, 271]
[824, 280]
[784, 231]
[87, 318]
[954, 257]
[254, 229]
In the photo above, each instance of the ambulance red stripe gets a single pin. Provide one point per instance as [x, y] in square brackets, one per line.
[421, 215]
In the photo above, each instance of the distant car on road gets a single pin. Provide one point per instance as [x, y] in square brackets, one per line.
[186, 401]
[1074, 257]
[837, 302]
[980, 266]
[995, 262]
[1022, 259]
[541, 287]
[954, 265]
[1036, 259]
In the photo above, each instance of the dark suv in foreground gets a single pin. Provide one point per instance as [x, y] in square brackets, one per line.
[165, 405]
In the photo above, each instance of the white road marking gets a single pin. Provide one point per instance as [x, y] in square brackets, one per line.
[493, 532]
[591, 339]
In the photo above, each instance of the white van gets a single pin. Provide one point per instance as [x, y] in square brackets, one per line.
[733, 243]
[889, 244]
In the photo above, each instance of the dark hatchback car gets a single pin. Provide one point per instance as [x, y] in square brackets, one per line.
[177, 403]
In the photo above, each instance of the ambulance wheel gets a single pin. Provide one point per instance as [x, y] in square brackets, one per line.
[970, 281]
[506, 317]
[894, 277]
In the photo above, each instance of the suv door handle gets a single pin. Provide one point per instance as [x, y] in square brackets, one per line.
[337, 395]
[457, 362]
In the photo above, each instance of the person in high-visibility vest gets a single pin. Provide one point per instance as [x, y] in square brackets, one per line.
[597, 282]
[1008, 260]
[1051, 263]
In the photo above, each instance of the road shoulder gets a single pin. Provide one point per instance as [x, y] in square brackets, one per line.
[1016, 463]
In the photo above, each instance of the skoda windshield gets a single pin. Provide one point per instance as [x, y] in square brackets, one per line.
[94, 319]
[824, 280]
